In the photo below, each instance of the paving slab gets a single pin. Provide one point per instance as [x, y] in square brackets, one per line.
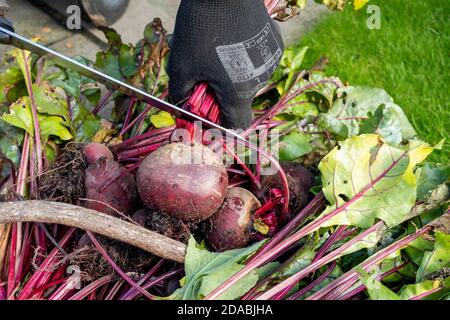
[31, 20]
[139, 13]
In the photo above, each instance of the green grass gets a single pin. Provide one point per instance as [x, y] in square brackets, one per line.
[408, 57]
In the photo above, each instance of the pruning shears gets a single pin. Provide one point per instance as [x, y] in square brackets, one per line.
[9, 37]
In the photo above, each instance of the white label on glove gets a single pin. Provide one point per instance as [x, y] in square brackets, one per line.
[250, 64]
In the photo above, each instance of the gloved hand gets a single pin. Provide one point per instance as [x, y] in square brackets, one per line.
[233, 45]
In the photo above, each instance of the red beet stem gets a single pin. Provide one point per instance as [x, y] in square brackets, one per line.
[105, 255]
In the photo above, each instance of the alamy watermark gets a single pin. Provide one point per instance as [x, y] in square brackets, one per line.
[74, 281]
[261, 148]
[74, 17]
[373, 21]
[73, 21]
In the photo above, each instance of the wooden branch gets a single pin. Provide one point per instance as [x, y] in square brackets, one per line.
[96, 222]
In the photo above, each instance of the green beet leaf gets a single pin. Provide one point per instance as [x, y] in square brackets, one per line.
[294, 145]
[335, 274]
[416, 249]
[20, 115]
[294, 62]
[437, 259]
[365, 179]
[206, 270]
[149, 33]
[369, 241]
[10, 141]
[162, 119]
[430, 177]
[373, 122]
[109, 64]
[23, 59]
[127, 61]
[9, 78]
[411, 291]
[318, 89]
[375, 289]
[84, 124]
[50, 103]
[301, 107]
[74, 83]
[378, 291]
[360, 110]
[301, 259]
[114, 39]
[290, 64]
[54, 126]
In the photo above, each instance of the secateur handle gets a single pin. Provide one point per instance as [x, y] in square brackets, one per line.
[5, 22]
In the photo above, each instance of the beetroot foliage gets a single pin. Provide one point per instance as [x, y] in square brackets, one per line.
[331, 196]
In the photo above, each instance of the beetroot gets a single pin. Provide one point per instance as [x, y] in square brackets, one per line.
[95, 151]
[110, 185]
[231, 227]
[300, 180]
[183, 181]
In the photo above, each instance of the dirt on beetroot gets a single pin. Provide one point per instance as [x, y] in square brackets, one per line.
[94, 266]
[163, 224]
[63, 181]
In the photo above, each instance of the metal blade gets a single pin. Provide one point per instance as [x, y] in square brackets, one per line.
[60, 59]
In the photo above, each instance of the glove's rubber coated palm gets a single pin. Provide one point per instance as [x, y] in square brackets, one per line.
[233, 45]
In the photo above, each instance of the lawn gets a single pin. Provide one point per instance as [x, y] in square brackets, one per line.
[408, 57]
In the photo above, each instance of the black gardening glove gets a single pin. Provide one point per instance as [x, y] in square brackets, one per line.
[233, 45]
